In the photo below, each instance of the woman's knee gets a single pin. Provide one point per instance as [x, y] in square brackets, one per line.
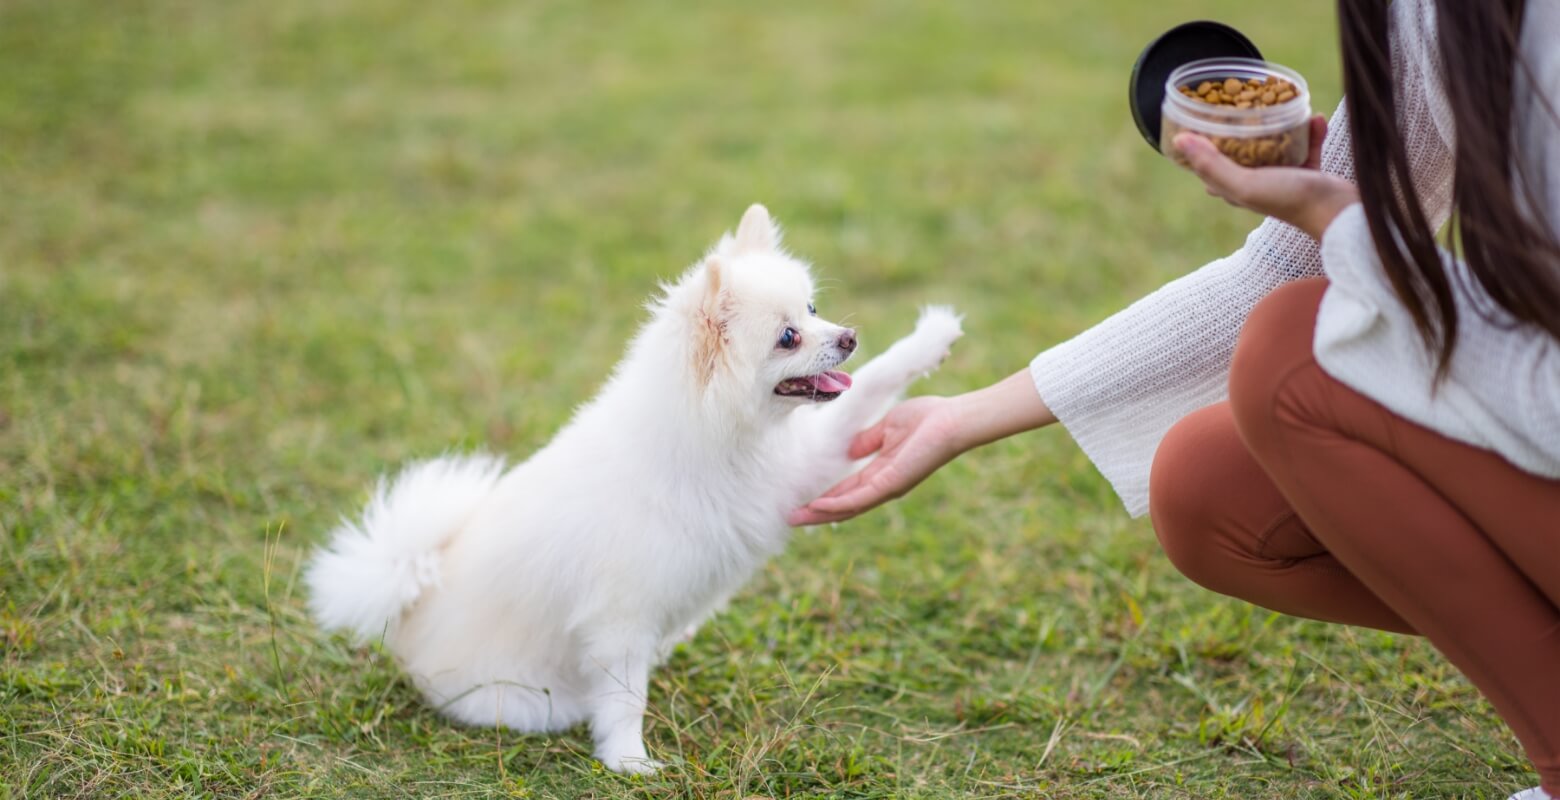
[1188, 485]
[1275, 341]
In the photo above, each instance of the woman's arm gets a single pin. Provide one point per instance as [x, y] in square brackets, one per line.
[1119, 386]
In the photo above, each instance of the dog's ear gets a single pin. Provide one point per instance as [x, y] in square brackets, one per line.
[711, 300]
[709, 346]
[757, 232]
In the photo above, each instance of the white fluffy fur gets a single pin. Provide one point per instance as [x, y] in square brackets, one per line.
[541, 597]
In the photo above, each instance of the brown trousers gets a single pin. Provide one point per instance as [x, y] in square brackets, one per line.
[1305, 497]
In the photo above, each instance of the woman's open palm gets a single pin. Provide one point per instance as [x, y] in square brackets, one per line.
[912, 441]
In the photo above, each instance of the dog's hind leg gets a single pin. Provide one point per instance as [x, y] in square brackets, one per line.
[883, 380]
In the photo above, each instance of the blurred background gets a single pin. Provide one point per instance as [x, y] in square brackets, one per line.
[252, 253]
[291, 191]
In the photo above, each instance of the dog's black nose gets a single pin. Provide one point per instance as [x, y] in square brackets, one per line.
[847, 340]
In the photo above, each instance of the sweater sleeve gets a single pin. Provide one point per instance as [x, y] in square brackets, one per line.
[1119, 386]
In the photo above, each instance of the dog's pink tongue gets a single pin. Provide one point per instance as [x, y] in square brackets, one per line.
[832, 381]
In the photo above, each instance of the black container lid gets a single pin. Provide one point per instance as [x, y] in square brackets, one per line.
[1187, 42]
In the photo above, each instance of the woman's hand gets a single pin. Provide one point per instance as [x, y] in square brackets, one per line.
[920, 435]
[1304, 197]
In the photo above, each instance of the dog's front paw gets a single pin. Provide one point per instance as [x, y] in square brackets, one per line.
[942, 321]
[935, 332]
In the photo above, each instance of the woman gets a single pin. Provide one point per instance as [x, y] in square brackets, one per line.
[1339, 421]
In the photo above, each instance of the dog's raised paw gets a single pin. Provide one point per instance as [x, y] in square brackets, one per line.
[935, 332]
[941, 323]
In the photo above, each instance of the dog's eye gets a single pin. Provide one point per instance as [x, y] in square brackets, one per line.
[789, 339]
[812, 309]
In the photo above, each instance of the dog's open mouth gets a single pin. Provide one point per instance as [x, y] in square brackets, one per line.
[823, 387]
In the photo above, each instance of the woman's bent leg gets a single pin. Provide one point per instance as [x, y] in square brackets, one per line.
[1459, 543]
[1225, 525]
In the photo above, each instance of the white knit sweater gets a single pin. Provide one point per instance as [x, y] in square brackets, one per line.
[1119, 386]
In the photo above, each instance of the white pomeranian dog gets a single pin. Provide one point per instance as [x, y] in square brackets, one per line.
[541, 596]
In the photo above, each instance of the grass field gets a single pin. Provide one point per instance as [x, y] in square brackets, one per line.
[254, 252]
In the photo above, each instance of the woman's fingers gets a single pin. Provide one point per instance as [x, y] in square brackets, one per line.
[1222, 176]
[845, 506]
[1313, 159]
[845, 486]
[843, 500]
[810, 514]
[860, 492]
[807, 516]
[905, 442]
[868, 441]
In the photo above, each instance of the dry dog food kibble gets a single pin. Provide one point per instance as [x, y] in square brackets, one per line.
[1283, 148]
[1243, 94]
[1256, 113]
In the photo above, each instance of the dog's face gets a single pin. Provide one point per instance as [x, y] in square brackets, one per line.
[760, 336]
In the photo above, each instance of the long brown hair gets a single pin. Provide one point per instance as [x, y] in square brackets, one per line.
[1511, 255]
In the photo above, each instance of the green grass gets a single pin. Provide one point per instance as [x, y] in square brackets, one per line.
[254, 252]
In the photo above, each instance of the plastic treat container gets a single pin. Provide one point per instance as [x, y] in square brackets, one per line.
[1277, 135]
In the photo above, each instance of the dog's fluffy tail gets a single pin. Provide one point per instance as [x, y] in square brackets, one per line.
[374, 568]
